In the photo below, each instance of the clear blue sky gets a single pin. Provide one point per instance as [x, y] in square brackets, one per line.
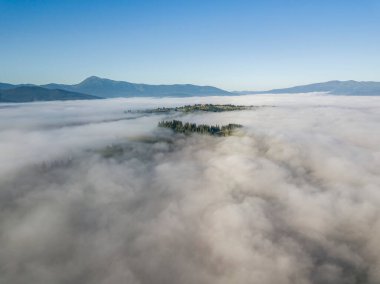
[231, 44]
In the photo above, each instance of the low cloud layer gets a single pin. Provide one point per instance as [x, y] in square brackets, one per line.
[294, 198]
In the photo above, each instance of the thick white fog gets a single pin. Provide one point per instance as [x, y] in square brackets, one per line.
[292, 198]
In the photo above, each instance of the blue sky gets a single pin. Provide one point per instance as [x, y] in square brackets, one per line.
[232, 44]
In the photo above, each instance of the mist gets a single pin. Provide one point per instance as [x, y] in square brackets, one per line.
[294, 197]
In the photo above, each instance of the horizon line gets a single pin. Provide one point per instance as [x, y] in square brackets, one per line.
[194, 84]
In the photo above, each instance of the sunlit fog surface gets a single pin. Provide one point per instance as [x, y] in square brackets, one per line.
[294, 197]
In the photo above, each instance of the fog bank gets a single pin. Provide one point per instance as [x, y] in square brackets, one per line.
[293, 198]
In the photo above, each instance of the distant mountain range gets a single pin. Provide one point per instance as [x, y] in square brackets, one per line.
[107, 88]
[97, 88]
[348, 88]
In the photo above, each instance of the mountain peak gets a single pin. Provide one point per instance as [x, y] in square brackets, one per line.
[92, 79]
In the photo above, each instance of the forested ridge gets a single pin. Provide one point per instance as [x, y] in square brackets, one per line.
[197, 107]
[187, 128]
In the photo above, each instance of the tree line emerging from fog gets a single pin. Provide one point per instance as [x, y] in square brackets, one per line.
[197, 107]
[188, 128]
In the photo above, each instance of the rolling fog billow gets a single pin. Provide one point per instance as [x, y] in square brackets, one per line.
[294, 197]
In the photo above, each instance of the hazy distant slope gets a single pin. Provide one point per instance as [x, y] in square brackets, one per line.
[109, 89]
[6, 86]
[333, 87]
[34, 93]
